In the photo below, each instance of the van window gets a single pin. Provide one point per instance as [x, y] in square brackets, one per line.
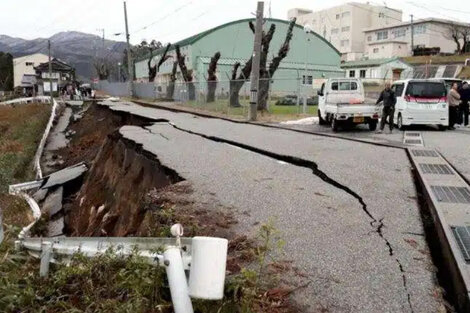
[426, 89]
[398, 89]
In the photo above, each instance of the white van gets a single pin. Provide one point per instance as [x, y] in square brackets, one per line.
[341, 101]
[421, 102]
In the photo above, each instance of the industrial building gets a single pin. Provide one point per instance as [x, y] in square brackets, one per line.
[310, 56]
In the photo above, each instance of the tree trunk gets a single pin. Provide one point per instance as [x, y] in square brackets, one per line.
[212, 78]
[235, 86]
[211, 88]
[263, 94]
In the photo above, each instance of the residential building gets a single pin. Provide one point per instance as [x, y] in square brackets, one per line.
[343, 25]
[378, 69]
[25, 66]
[388, 41]
[310, 56]
[63, 75]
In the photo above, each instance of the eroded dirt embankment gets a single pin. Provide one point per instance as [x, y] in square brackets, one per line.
[127, 192]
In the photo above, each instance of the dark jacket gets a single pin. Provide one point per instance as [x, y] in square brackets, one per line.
[465, 94]
[388, 97]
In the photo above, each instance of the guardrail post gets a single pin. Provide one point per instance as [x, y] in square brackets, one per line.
[46, 253]
[177, 280]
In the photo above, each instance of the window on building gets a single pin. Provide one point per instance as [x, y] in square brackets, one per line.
[400, 32]
[346, 14]
[352, 73]
[307, 80]
[29, 64]
[345, 43]
[381, 35]
[337, 16]
[419, 29]
[369, 38]
[376, 50]
[381, 15]
[362, 73]
[334, 31]
[345, 29]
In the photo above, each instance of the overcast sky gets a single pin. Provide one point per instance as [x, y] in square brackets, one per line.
[172, 20]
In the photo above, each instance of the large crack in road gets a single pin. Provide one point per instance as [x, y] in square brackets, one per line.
[376, 224]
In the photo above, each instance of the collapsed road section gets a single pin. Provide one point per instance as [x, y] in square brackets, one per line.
[328, 234]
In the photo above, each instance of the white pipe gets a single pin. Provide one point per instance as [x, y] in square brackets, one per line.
[177, 280]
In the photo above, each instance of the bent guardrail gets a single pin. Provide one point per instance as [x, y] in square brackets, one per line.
[204, 257]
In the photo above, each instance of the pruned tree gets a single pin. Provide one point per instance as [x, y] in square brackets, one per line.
[465, 34]
[266, 72]
[236, 82]
[212, 78]
[454, 33]
[187, 74]
[102, 68]
[6, 71]
[171, 84]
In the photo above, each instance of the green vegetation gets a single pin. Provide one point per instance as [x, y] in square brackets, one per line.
[21, 129]
[275, 112]
[6, 71]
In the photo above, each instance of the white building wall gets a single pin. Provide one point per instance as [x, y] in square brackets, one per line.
[343, 25]
[428, 34]
[25, 65]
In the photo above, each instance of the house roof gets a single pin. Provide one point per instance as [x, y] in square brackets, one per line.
[196, 37]
[421, 21]
[57, 65]
[369, 62]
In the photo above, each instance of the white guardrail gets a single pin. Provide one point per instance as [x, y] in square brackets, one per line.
[204, 257]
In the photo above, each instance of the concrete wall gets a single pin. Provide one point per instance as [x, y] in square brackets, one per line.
[387, 50]
[20, 68]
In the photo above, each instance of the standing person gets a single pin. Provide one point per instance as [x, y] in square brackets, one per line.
[453, 100]
[389, 99]
[464, 98]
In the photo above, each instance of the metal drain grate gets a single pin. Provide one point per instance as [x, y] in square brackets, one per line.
[424, 153]
[451, 194]
[462, 236]
[414, 141]
[412, 134]
[442, 169]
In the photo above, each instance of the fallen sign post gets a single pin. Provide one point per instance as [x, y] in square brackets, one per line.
[204, 257]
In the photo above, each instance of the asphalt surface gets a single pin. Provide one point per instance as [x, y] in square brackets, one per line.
[330, 235]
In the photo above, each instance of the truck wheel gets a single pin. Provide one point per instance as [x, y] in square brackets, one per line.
[321, 121]
[334, 124]
[372, 125]
[442, 127]
[400, 122]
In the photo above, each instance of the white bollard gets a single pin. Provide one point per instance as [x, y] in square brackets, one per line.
[207, 273]
[177, 280]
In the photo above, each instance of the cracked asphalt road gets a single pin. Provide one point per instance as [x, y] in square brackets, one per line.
[328, 232]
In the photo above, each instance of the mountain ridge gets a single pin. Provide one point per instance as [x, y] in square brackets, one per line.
[78, 49]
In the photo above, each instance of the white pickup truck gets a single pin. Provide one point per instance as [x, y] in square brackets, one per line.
[341, 102]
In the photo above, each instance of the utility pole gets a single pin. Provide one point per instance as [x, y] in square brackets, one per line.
[129, 57]
[412, 35]
[254, 83]
[50, 71]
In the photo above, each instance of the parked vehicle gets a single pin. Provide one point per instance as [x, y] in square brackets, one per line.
[421, 102]
[449, 82]
[292, 100]
[341, 102]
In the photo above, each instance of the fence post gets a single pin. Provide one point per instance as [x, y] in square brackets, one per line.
[46, 252]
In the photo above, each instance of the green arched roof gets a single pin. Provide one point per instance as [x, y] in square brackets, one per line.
[195, 38]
